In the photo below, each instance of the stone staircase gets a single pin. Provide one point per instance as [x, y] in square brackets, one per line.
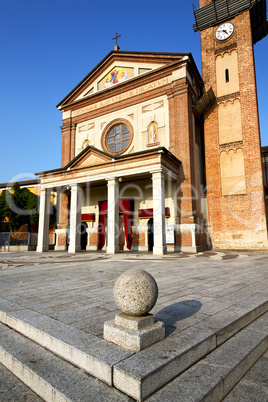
[203, 362]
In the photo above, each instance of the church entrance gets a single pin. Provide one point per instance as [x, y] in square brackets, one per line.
[150, 225]
[126, 210]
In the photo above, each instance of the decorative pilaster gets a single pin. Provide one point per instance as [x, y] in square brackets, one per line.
[73, 134]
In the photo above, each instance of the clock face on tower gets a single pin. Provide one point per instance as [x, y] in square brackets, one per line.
[224, 31]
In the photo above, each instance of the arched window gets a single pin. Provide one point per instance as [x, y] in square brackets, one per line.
[227, 75]
[117, 137]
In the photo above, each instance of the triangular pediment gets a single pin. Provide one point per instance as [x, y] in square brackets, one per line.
[88, 158]
[117, 68]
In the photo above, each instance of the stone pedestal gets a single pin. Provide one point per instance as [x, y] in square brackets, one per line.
[133, 333]
[135, 294]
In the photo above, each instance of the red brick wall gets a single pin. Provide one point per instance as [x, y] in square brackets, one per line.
[93, 239]
[203, 3]
[182, 146]
[138, 239]
[66, 143]
[63, 218]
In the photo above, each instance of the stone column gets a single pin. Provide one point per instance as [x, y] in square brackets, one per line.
[113, 216]
[75, 219]
[43, 227]
[159, 213]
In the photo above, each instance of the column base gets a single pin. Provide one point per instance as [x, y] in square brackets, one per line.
[112, 250]
[61, 248]
[41, 249]
[160, 250]
[76, 249]
[92, 248]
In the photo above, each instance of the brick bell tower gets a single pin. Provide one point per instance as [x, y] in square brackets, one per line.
[235, 196]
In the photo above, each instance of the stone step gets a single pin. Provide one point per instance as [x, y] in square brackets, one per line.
[12, 389]
[137, 375]
[212, 378]
[88, 352]
[49, 376]
[254, 385]
[143, 374]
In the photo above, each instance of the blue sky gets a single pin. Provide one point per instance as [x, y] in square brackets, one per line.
[49, 46]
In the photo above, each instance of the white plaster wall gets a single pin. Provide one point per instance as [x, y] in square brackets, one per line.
[139, 116]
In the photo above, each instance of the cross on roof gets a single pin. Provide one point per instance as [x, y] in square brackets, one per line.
[116, 47]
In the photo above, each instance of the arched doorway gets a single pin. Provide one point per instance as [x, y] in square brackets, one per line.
[150, 232]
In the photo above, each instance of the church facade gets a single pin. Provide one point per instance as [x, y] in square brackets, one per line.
[156, 157]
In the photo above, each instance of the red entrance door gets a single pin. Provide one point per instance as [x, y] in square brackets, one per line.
[126, 207]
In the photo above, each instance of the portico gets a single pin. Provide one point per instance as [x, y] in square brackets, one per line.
[115, 179]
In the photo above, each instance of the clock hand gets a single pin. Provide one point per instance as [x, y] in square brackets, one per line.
[223, 30]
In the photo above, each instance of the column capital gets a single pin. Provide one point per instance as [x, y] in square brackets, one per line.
[112, 181]
[74, 186]
[42, 189]
[158, 174]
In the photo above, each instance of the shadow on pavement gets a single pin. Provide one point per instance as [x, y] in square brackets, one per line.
[176, 312]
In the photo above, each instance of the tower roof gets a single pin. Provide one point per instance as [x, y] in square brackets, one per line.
[221, 10]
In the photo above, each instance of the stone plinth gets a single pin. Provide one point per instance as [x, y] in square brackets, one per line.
[133, 333]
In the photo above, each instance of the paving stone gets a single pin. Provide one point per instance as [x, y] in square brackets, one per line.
[212, 378]
[50, 377]
[2, 327]
[165, 360]
[88, 352]
[229, 321]
[254, 385]
[260, 325]
[7, 305]
[13, 390]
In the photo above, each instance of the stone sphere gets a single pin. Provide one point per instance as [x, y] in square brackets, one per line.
[135, 292]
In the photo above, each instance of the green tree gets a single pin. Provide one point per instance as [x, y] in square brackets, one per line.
[19, 206]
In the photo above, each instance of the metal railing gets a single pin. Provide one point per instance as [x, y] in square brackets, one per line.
[18, 239]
